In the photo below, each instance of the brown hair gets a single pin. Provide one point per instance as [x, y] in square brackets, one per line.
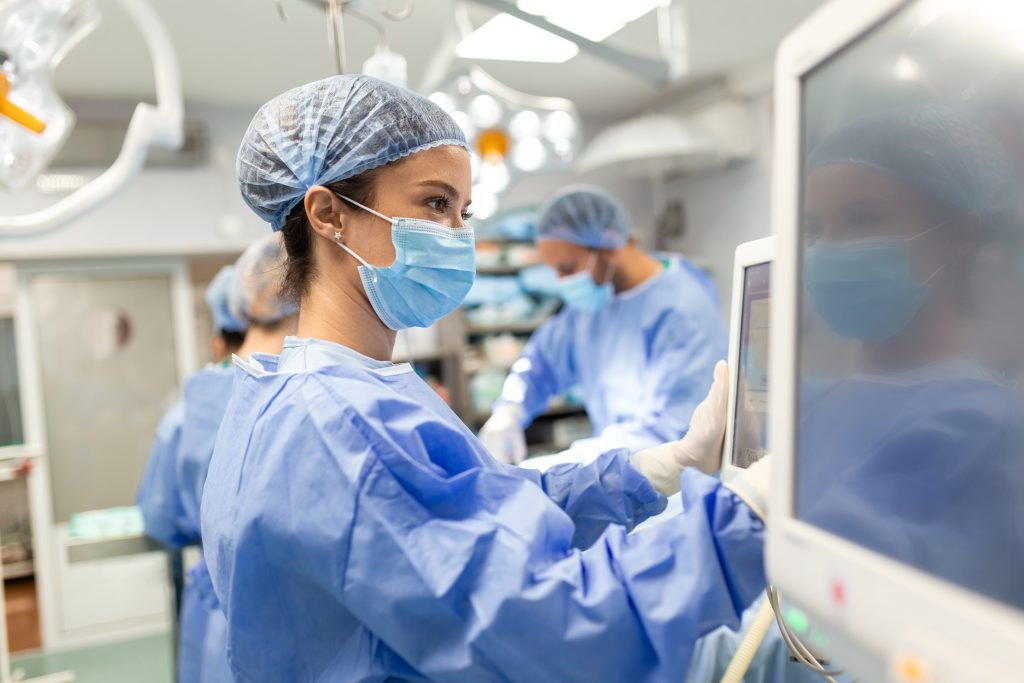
[298, 234]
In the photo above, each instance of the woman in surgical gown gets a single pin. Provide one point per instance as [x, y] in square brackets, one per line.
[243, 299]
[639, 334]
[355, 529]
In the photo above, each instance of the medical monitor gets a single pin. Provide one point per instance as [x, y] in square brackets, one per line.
[747, 428]
[897, 417]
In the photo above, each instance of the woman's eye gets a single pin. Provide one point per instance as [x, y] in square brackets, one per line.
[467, 215]
[438, 204]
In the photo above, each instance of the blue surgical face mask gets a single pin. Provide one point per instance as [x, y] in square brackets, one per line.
[580, 292]
[865, 290]
[433, 271]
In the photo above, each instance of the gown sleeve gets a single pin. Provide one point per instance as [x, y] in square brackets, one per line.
[608, 490]
[545, 369]
[159, 492]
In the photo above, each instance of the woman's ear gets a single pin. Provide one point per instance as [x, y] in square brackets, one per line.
[325, 212]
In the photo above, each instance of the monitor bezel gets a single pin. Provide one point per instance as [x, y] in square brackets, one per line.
[749, 254]
[875, 616]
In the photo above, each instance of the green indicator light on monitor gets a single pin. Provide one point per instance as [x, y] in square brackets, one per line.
[797, 620]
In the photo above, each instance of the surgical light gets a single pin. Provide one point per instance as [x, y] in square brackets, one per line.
[525, 124]
[34, 121]
[34, 37]
[509, 133]
[485, 111]
[485, 202]
[559, 126]
[494, 176]
[462, 119]
[529, 154]
[443, 100]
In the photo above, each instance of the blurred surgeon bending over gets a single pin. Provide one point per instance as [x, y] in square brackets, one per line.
[639, 335]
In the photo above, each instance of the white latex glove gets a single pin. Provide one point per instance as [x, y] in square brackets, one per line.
[700, 448]
[753, 486]
[503, 436]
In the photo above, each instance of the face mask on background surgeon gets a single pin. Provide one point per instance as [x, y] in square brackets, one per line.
[433, 271]
[580, 292]
[864, 290]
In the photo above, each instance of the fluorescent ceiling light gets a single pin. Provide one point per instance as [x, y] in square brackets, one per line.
[509, 39]
[592, 19]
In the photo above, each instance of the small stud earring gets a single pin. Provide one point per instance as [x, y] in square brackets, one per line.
[337, 235]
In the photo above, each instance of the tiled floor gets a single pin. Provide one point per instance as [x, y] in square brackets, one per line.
[144, 660]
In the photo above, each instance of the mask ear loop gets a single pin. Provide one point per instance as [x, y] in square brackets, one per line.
[592, 264]
[930, 230]
[337, 234]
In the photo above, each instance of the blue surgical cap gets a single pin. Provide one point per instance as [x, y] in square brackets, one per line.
[217, 295]
[931, 148]
[585, 215]
[331, 130]
[259, 277]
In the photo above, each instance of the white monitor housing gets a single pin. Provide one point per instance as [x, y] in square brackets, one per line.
[746, 429]
[879, 618]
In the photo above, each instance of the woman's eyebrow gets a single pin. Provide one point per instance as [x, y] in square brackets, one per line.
[448, 189]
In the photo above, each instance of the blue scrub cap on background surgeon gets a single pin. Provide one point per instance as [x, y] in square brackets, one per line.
[932, 148]
[259, 276]
[331, 130]
[585, 215]
[217, 295]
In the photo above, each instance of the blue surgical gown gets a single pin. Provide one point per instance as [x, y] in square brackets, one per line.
[169, 497]
[644, 362]
[356, 530]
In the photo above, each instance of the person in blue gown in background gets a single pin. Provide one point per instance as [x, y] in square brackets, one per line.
[356, 529]
[639, 335]
[244, 300]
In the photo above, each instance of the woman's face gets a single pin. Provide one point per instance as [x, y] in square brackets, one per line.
[433, 185]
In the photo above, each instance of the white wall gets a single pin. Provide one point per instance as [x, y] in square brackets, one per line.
[729, 207]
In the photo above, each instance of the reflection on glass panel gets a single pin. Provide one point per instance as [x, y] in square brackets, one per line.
[11, 426]
[108, 369]
[911, 419]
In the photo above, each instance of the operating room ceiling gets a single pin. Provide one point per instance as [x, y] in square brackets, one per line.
[240, 52]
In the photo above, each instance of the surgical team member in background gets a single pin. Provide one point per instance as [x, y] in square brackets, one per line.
[355, 528]
[228, 332]
[639, 335]
[242, 297]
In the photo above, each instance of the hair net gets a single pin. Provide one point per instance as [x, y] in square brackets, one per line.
[932, 148]
[585, 215]
[259, 276]
[217, 295]
[331, 130]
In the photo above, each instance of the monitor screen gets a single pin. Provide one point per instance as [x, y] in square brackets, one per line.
[751, 419]
[910, 352]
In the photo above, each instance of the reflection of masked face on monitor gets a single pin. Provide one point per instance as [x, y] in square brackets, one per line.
[890, 214]
[895, 208]
[868, 273]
